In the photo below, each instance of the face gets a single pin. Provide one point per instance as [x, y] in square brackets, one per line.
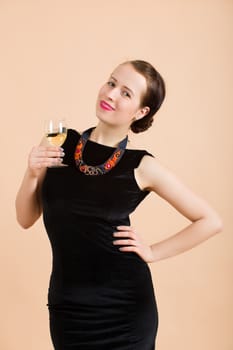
[119, 99]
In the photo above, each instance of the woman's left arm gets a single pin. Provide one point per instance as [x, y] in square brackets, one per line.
[205, 222]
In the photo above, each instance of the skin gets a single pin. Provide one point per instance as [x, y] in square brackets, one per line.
[123, 92]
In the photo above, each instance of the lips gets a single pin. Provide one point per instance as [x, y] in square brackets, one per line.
[104, 105]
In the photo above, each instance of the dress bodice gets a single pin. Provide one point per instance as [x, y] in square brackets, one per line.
[111, 197]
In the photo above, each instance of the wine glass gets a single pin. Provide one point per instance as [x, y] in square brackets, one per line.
[56, 133]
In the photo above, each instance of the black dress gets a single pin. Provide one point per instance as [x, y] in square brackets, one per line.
[99, 298]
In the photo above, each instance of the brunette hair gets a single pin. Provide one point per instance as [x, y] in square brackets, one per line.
[154, 95]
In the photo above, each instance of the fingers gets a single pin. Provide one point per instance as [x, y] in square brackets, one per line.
[129, 249]
[130, 241]
[125, 228]
[126, 242]
[47, 152]
[127, 235]
[125, 231]
[45, 156]
[45, 163]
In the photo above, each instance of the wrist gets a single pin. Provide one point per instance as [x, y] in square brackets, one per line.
[34, 173]
[154, 253]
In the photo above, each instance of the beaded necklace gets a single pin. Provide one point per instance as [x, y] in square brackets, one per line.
[101, 169]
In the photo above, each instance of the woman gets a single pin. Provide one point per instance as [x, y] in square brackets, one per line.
[101, 294]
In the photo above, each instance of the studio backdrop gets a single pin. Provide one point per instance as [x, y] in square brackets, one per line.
[55, 54]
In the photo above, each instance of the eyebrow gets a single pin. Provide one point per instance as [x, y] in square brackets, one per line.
[126, 87]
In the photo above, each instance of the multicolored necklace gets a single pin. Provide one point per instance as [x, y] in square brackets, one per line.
[101, 169]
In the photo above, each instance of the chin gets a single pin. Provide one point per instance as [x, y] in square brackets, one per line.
[102, 116]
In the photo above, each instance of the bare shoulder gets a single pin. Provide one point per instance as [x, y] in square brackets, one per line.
[152, 171]
[133, 146]
[136, 144]
[154, 176]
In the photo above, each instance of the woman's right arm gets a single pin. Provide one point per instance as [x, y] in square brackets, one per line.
[28, 200]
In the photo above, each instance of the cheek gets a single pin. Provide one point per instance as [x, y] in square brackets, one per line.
[102, 91]
[130, 107]
[126, 110]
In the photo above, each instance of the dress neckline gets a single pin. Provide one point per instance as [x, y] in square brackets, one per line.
[104, 167]
[106, 146]
[111, 147]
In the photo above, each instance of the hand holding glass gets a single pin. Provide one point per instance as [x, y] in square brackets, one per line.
[56, 133]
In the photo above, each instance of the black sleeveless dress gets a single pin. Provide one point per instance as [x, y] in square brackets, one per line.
[99, 298]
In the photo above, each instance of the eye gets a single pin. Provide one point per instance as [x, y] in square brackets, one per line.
[111, 83]
[126, 94]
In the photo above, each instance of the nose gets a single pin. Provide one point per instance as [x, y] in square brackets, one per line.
[112, 94]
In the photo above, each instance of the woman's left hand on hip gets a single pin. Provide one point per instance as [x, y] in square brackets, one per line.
[130, 241]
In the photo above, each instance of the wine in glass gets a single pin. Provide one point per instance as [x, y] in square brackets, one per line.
[56, 133]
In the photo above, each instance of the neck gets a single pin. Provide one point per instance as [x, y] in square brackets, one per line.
[107, 135]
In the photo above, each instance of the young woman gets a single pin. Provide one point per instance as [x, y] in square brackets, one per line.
[101, 294]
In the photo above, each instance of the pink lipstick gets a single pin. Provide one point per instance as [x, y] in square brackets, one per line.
[104, 105]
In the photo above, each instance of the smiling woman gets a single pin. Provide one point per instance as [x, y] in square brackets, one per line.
[143, 90]
[101, 294]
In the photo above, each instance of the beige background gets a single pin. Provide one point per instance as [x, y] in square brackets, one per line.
[54, 56]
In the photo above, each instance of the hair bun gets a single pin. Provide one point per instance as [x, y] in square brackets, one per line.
[142, 124]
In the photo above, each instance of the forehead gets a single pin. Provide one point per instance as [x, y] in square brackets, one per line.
[127, 76]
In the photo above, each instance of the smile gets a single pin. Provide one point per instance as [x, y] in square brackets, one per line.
[104, 105]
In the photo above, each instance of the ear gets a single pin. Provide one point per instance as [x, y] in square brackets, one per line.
[142, 112]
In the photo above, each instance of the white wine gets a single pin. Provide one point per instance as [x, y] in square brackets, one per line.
[56, 133]
[56, 138]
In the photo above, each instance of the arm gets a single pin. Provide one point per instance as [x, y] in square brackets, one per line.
[205, 222]
[28, 200]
